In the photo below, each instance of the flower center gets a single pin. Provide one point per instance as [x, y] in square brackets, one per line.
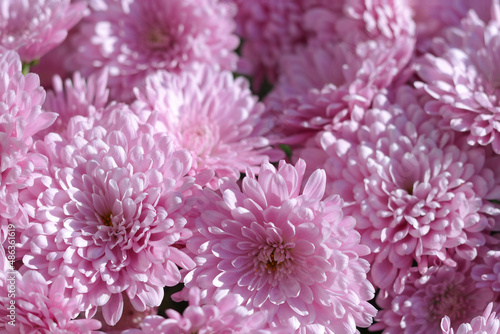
[200, 139]
[158, 39]
[450, 302]
[275, 259]
[271, 263]
[106, 219]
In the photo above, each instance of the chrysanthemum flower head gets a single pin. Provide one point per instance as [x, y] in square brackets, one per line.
[334, 81]
[414, 191]
[34, 27]
[427, 299]
[135, 38]
[21, 117]
[213, 116]
[462, 74]
[76, 96]
[109, 212]
[283, 250]
[31, 304]
[225, 316]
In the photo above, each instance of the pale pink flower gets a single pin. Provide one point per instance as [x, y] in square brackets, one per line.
[109, 212]
[213, 116]
[461, 75]
[272, 29]
[416, 192]
[426, 299]
[135, 38]
[488, 323]
[31, 304]
[21, 117]
[284, 251]
[76, 96]
[224, 316]
[334, 81]
[34, 27]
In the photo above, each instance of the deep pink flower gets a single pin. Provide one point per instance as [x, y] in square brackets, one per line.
[213, 116]
[334, 81]
[34, 27]
[21, 117]
[426, 299]
[136, 38]
[461, 75]
[109, 211]
[39, 306]
[415, 191]
[224, 316]
[284, 251]
[488, 323]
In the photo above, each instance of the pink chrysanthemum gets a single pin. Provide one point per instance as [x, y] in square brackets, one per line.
[30, 304]
[21, 117]
[136, 38]
[269, 29]
[283, 251]
[426, 299]
[334, 81]
[34, 27]
[488, 323]
[213, 116]
[415, 192]
[225, 316]
[462, 76]
[109, 212]
[76, 96]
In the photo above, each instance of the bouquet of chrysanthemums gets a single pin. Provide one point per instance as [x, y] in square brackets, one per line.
[250, 166]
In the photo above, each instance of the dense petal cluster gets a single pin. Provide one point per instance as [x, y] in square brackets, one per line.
[34, 27]
[225, 316]
[147, 177]
[461, 74]
[136, 38]
[334, 80]
[271, 29]
[213, 116]
[109, 212]
[283, 251]
[415, 191]
[21, 117]
[487, 323]
[31, 304]
[427, 299]
[486, 273]
[76, 96]
[434, 16]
